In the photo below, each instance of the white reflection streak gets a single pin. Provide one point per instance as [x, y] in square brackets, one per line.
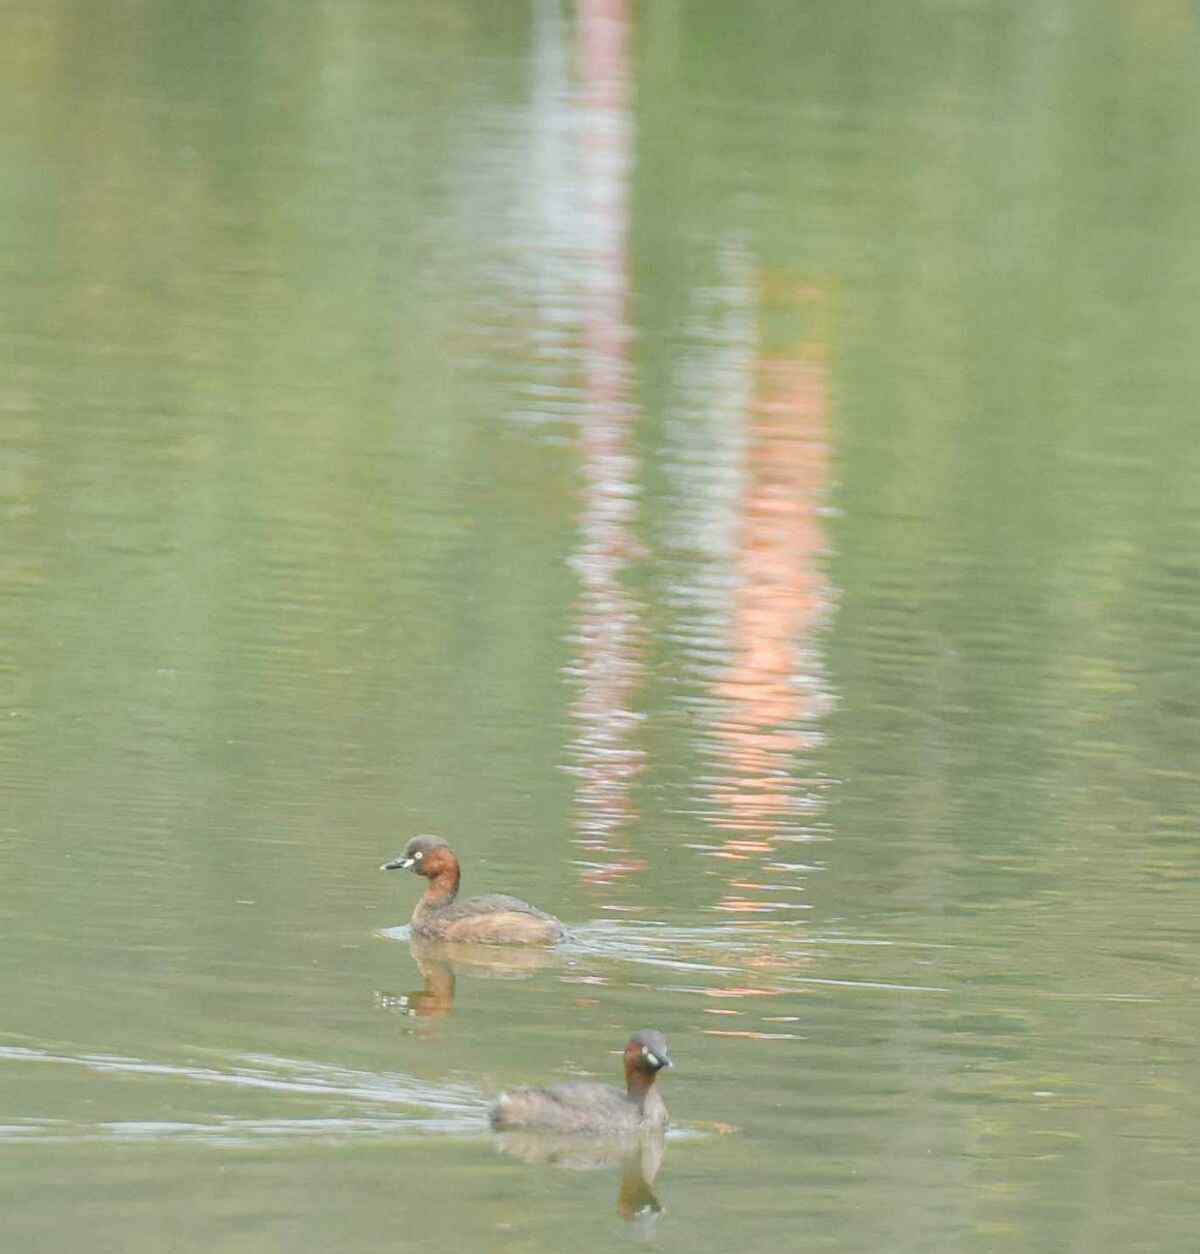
[609, 664]
[552, 210]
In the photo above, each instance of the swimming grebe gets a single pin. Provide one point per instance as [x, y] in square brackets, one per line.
[493, 919]
[585, 1106]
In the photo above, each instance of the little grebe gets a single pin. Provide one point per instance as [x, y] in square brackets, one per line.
[491, 920]
[585, 1106]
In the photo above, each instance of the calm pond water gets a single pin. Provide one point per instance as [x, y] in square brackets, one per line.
[731, 469]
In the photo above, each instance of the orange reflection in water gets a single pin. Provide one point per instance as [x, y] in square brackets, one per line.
[610, 637]
[772, 687]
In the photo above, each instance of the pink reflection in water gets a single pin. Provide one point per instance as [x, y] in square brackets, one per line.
[771, 689]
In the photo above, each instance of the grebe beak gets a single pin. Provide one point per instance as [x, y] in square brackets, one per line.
[398, 863]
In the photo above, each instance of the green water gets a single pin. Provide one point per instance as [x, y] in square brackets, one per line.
[733, 471]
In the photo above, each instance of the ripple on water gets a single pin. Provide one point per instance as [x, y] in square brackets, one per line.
[368, 1098]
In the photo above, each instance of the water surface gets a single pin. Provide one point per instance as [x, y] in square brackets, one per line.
[732, 473]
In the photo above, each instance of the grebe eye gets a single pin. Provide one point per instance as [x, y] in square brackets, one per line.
[418, 855]
[650, 1057]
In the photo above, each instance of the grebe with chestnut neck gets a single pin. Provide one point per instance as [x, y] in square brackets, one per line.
[493, 919]
[586, 1107]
